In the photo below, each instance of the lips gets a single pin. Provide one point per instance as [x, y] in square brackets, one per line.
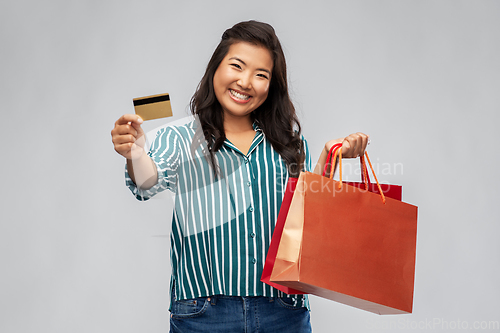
[239, 97]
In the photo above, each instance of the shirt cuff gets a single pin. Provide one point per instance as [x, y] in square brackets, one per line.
[142, 194]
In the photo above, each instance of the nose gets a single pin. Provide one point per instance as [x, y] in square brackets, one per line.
[244, 82]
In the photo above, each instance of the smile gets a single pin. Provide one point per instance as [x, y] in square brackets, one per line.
[239, 97]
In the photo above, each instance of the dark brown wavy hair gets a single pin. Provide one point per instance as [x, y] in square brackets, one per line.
[276, 116]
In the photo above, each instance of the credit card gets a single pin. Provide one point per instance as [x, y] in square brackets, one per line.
[153, 107]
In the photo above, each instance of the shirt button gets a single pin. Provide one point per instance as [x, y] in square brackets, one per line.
[254, 261]
[250, 209]
[249, 184]
[246, 161]
[252, 235]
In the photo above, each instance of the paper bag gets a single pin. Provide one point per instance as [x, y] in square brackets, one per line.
[348, 246]
[278, 230]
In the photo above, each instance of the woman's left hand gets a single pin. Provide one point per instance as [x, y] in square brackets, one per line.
[353, 145]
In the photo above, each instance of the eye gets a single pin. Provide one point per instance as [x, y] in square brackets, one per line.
[236, 66]
[263, 76]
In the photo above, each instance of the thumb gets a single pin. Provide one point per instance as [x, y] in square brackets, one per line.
[140, 139]
[137, 126]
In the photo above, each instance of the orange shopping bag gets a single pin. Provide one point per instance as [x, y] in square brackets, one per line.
[347, 244]
[275, 240]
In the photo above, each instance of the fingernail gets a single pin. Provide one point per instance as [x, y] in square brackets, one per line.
[139, 120]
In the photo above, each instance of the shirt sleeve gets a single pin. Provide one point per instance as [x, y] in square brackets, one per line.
[166, 154]
[307, 160]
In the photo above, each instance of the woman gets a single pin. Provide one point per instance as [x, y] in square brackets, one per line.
[229, 169]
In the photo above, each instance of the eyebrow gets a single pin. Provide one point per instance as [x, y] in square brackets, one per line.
[259, 69]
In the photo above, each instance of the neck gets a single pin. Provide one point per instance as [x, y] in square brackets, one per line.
[237, 124]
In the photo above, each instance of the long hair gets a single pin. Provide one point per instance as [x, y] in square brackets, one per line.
[276, 116]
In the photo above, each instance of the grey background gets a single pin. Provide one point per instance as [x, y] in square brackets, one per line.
[80, 254]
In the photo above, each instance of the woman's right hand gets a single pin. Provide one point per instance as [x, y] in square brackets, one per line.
[128, 136]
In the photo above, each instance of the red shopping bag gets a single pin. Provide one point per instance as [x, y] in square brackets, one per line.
[347, 244]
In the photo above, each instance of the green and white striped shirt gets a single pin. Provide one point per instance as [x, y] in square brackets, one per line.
[222, 226]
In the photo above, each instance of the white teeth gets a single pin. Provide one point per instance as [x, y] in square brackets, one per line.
[238, 95]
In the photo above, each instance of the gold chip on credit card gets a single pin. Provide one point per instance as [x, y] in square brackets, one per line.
[153, 107]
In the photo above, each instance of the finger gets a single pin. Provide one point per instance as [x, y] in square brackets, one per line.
[138, 129]
[121, 139]
[346, 147]
[364, 141]
[124, 130]
[129, 118]
[356, 145]
[353, 145]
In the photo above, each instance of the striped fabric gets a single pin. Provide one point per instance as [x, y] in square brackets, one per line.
[222, 226]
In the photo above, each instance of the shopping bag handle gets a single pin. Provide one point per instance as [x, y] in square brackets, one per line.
[335, 151]
[332, 151]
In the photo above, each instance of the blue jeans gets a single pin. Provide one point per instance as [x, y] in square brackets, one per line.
[238, 315]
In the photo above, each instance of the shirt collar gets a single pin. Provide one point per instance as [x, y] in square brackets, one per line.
[256, 127]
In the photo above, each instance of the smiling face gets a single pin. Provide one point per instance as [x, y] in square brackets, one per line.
[241, 82]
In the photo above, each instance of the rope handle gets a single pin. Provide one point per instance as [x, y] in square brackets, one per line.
[375, 176]
[335, 151]
[364, 172]
[328, 163]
